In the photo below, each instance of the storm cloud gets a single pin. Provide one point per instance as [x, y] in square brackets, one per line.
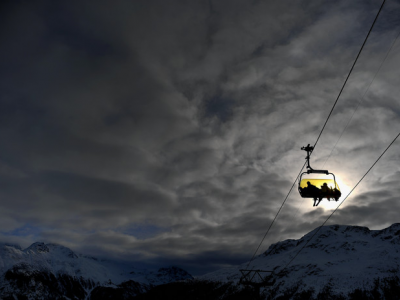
[169, 132]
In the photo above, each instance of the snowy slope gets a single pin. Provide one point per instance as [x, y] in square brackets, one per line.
[344, 257]
[58, 259]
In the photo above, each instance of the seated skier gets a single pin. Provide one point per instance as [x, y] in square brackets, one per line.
[326, 191]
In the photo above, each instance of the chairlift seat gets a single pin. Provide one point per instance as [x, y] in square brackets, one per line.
[314, 188]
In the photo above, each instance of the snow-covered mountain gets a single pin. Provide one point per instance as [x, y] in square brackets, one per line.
[339, 262]
[342, 259]
[45, 271]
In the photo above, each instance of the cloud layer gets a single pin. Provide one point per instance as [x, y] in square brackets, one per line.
[170, 132]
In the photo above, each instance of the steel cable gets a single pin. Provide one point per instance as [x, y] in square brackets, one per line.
[340, 203]
[330, 113]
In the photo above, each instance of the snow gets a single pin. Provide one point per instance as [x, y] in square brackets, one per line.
[58, 259]
[347, 257]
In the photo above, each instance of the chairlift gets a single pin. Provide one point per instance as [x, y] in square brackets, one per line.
[318, 188]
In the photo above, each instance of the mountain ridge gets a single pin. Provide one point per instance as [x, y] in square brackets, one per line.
[343, 257]
[339, 262]
[52, 271]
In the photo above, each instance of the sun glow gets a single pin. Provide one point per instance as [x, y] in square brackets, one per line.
[344, 187]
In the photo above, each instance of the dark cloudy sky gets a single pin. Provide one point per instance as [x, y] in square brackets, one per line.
[169, 132]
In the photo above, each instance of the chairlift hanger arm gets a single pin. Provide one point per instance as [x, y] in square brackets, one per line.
[309, 149]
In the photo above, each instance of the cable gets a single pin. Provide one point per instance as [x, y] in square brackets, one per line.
[362, 98]
[351, 70]
[341, 202]
[255, 253]
[330, 113]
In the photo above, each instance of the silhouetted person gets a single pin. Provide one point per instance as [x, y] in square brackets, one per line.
[306, 191]
[312, 188]
[326, 191]
[314, 192]
[337, 194]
